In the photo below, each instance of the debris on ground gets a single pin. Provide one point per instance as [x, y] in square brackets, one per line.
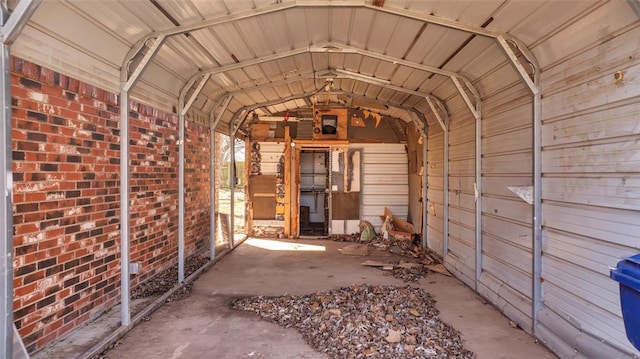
[165, 281]
[355, 250]
[354, 237]
[367, 233]
[364, 321]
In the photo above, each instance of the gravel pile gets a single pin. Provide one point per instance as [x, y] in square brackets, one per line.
[364, 321]
[168, 279]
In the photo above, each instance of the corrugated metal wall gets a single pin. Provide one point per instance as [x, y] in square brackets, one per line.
[507, 220]
[460, 258]
[435, 191]
[591, 182]
[385, 181]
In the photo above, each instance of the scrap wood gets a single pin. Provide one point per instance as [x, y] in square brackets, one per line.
[355, 250]
[398, 223]
[375, 264]
[439, 268]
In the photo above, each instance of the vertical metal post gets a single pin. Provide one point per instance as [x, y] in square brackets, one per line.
[478, 189]
[425, 183]
[537, 208]
[232, 183]
[181, 208]
[6, 209]
[212, 189]
[531, 81]
[444, 123]
[124, 206]
[445, 196]
[477, 114]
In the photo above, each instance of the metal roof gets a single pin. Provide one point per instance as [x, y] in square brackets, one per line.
[273, 56]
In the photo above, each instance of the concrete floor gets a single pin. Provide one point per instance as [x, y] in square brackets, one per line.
[203, 326]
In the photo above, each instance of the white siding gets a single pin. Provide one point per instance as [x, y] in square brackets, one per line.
[435, 194]
[461, 256]
[385, 181]
[591, 176]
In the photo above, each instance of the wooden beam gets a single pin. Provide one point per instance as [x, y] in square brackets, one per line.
[295, 194]
[287, 182]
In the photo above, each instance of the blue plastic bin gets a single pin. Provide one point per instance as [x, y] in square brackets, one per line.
[627, 273]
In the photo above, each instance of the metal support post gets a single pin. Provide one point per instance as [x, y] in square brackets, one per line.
[474, 108]
[212, 189]
[124, 206]
[181, 189]
[537, 209]
[444, 123]
[6, 211]
[232, 183]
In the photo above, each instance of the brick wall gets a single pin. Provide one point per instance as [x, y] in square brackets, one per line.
[197, 193]
[66, 198]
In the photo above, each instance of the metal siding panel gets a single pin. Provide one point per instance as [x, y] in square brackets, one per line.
[318, 25]
[512, 303]
[402, 37]
[601, 23]
[608, 225]
[210, 41]
[297, 27]
[360, 29]
[621, 156]
[379, 35]
[618, 192]
[340, 24]
[385, 181]
[60, 22]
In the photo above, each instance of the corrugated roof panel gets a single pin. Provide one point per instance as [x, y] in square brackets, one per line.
[239, 78]
[403, 37]
[258, 97]
[411, 101]
[380, 32]
[171, 58]
[270, 68]
[386, 94]
[186, 49]
[477, 12]
[182, 11]
[341, 23]
[373, 91]
[253, 71]
[415, 79]
[482, 55]
[210, 8]
[448, 43]
[360, 87]
[513, 13]
[352, 62]
[57, 19]
[297, 27]
[211, 42]
[425, 43]
[148, 13]
[362, 22]
[233, 41]
[547, 18]
[275, 26]
[336, 61]
[399, 97]
[289, 68]
[113, 15]
[303, 62]
[368, 66]
[401, 75]
[317, 25]
[320, 61]
[385, 70]
[255, 36]
[235, 6]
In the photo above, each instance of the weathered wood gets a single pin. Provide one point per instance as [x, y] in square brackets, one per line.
[398, 223]
[295, 194]
[287, 183]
